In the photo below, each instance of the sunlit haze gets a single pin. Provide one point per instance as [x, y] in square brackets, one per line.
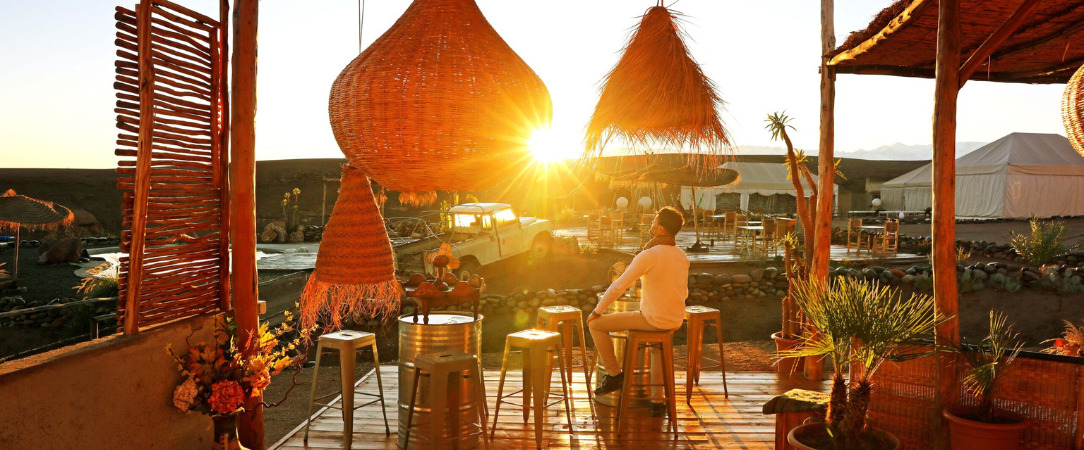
[56, 98]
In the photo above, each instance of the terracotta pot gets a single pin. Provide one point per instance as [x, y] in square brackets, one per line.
[226, 433]
[811, 430]
[787, 366]
[965, 433]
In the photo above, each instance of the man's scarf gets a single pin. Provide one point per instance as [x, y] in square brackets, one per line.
[666, 239]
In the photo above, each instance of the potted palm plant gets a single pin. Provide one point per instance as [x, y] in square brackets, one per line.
[860, 325]
[985, 427]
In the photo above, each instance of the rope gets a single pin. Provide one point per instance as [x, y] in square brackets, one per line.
[361, 19]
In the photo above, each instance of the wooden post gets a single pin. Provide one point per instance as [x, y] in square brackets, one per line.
[220, 107]
[243, 201]
[141, 191]
[944, 201]
[826, 170]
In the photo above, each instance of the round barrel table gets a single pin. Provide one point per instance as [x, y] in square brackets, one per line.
[446, 331]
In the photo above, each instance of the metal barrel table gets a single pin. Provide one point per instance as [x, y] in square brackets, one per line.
[640, 378]
[446, 331]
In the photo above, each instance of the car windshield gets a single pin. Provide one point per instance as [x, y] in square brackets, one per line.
[473, 223]
[505, 217]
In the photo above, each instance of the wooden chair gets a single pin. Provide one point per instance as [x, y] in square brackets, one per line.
[768, 237]
[617, 222]
[740, 220]
[728, 223]
[854, 235]
[888, 241]
[645, 227]
[606, 238]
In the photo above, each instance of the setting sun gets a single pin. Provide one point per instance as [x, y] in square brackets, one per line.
[548, 146]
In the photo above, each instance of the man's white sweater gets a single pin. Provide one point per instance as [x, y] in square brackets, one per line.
[664, 280]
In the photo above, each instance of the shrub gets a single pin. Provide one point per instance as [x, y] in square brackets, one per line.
[104, 281]
[1043, 244]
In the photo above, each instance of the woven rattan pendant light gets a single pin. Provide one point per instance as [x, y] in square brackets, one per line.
[1072, 110]
[355, 269]
[657, 95]
[439, 102]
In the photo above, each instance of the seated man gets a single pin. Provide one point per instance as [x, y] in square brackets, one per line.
[664, 273]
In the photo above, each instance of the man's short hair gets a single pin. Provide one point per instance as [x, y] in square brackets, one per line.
[671, 220]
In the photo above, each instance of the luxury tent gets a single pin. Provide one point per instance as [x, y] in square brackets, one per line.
[764, 179]
[1011, 177]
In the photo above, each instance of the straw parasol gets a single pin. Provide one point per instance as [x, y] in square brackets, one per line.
[694, 177]
[19, 211]
[658, 95]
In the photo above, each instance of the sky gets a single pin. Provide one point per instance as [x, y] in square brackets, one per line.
[56, 71]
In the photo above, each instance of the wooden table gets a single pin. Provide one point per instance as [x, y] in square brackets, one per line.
[750, 229]
[870, 230]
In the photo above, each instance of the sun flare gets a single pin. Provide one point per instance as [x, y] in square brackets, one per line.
[548, 146]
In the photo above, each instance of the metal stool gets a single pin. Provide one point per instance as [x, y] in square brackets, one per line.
[536, 346]
[700, 317]
[444, 370]
[561, 318]
[347, 343]
[637, 340]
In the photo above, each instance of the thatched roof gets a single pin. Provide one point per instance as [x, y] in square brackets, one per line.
[902, 40]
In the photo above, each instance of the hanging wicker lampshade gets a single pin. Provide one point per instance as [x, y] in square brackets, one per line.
[439, 102]
[658, 95]
[1072, 110]
[355, 269]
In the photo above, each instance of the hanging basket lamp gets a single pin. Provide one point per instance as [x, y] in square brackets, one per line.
[355, 268]
[657, 95]
[1072, 110]
[439, 102]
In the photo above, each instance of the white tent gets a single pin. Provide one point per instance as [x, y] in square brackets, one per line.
[1017, 176]
[756, 178]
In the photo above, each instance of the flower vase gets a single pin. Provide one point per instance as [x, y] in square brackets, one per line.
[225, 437]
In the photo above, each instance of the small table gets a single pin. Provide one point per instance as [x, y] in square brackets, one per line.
[750, 229]
[870, 230]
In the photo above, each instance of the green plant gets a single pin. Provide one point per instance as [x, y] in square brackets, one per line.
[104, 280]
[988, 360]
[1043, 244]
[290, 209]
[860, 323]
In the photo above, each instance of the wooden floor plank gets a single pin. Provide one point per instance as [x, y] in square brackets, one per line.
[709, 420]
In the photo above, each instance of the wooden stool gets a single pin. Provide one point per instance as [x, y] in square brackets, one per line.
[535, 345]
[700, 317]
[445, 372]
[347, 343]
[561, 318]
[664, 341]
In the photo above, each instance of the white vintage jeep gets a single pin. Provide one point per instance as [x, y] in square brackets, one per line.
[484, 233]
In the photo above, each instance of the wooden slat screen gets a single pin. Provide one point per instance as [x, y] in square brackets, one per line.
[170, 67]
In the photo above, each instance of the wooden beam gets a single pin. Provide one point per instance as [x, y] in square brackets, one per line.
[243, 199]
[894, 26]
[1041, 76]
[141, 190]
[946, 91]
[220, 135]
[1069, 30]
[996, 39]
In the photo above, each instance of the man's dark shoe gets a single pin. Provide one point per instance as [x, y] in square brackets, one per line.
[658, 409]
[610, 384]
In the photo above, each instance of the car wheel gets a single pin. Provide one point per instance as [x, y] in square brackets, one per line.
[465, 270]
[541, 247]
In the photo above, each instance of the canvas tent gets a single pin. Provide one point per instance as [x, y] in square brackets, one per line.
[1017, 176]
[765, 179]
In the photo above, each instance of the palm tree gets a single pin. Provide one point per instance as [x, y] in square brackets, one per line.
[862, 325]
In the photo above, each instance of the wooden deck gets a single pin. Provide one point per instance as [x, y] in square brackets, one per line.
[712, 421]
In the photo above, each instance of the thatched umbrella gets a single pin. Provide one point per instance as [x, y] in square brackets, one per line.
[19, 211]
[694, 177]
[657, 95]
